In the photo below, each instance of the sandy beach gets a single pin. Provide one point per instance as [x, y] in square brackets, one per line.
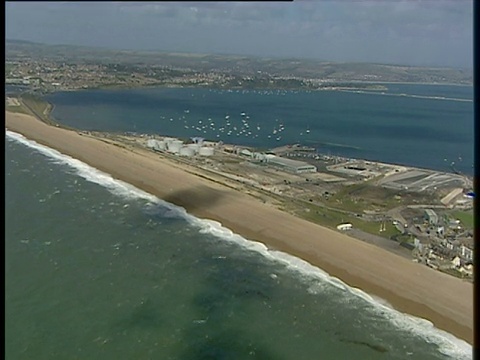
[409, 287]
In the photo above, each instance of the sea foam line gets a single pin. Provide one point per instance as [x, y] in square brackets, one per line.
[447, 343]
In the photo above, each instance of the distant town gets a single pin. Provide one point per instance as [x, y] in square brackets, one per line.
[47, 76]
[45, 68]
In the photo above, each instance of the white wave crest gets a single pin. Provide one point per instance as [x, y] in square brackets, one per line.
[91, 174]
[447, 343]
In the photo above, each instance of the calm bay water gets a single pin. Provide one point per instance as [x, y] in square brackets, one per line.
[418, 125]
[96, 269]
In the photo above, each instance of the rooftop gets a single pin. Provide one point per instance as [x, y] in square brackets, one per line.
[288, 162]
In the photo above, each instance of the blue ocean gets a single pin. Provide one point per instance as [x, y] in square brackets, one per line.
[425, 126]
[98, 269]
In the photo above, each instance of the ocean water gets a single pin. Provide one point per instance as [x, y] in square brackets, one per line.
[416, 125]
[97, 269]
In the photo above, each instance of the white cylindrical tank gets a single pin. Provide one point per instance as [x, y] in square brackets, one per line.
[174, 146]
[206, 151]
[168, 140]
[151, 143]
[195, 147]
[186, 151]
[259, 156]
[161, 146]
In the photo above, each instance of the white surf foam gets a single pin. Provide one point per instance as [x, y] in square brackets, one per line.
[446, 342]
[90, 173]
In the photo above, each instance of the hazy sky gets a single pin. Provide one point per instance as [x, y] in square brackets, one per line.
[416, 32]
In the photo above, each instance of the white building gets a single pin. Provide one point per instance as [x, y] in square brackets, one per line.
[466, 252]
[344, 227]
[440, 230]
[289, 165]
[206, 151]
[431, 216]
[456, 262]
[245, 152]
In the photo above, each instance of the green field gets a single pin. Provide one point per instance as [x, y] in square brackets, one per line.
[331, 218]
[465, 217]
[365, 196]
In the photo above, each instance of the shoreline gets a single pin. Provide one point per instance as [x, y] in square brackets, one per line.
[416, 83]
[337, 87]
[407, 286]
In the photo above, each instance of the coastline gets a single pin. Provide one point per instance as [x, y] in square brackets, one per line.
[417, 83]
[409, 287]
[338, 84]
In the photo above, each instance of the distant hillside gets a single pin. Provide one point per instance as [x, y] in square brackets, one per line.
[240, 65]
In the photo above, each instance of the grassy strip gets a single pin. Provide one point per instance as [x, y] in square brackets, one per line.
[331, 218]
[465, 217]
[456, 273]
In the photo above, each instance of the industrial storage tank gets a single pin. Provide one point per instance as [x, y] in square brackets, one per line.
[168, 140]
[195, 147]
[259, 156]
[151, 143]
[186, 151]
[174, 146]
[206, 151]
[161, 146]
